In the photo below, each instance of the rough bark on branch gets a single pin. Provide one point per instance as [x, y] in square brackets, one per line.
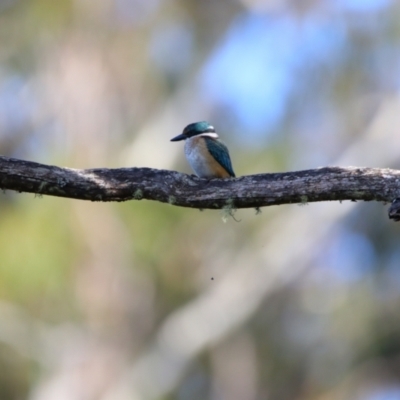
[121, 184]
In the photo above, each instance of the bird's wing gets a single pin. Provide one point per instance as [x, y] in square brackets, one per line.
[220, 152]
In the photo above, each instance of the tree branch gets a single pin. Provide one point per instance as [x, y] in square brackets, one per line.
[122, 184]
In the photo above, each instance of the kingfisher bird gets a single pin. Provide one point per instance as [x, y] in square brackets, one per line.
[208, 156]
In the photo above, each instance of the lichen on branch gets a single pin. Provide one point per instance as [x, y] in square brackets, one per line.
[174, 188]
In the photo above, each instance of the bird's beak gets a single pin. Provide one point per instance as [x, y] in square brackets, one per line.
[179, 137]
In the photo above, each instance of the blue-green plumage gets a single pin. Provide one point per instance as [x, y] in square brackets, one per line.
[220, 152]
[208, 157]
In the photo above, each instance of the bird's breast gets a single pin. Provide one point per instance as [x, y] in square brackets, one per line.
[202, 162]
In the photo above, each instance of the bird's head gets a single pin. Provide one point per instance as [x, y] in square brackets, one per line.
[201, 128]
